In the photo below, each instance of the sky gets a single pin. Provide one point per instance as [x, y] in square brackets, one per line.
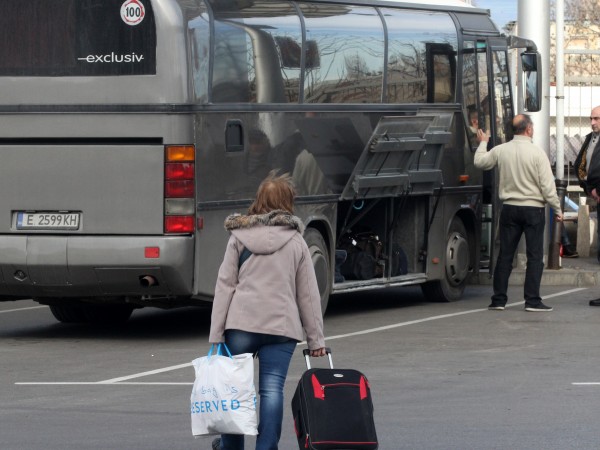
[502, 11]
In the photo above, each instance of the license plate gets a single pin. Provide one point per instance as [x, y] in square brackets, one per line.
[48, 220]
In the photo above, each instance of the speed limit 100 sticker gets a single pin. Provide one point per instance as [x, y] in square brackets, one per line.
[133, 12]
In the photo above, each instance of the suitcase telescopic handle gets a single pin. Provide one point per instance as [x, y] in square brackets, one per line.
[306, 353]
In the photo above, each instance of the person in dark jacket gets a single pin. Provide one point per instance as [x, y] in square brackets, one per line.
[587, 168]
[265, 304]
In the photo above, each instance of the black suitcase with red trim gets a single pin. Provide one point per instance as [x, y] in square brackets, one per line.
[333, 409]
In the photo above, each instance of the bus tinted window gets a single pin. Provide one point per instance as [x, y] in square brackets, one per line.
[421, 56]
[502, 97]
[344, 54]
[257, 53]
[77, 38]
[200, 32]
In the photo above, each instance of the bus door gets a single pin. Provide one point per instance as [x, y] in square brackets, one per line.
[401, 158]
[502, 114]
[477, 113]
[487, 104]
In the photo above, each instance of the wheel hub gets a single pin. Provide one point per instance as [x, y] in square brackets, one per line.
[457, 259]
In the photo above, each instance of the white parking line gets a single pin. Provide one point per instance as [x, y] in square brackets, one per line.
[143, 374]
[443, 316]
[591, 383]
[22, 309]
[120, 380]
[96, 383]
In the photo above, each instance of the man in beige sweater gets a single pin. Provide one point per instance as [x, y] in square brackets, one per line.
[526, 185]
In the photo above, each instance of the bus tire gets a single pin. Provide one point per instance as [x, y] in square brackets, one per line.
[108, 314]
[457, 267]
[100, 314]
[320, 260]
[68, 313]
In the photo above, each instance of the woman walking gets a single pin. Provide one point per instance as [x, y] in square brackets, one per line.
[266, 300]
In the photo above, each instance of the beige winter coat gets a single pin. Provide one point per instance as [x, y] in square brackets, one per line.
[275, 291]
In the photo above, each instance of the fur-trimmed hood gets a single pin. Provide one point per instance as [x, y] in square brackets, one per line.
[264, 233]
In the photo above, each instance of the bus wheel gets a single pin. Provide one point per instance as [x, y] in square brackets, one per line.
[320, 259]
[457, 268]
[100, 314]
[68, 313]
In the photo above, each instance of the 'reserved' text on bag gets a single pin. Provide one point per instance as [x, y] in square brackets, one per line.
[223, 399]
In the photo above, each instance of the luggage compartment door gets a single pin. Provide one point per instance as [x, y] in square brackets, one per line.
[403, 156]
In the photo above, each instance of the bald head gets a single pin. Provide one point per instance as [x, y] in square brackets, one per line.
[595, 119]
[522, 125]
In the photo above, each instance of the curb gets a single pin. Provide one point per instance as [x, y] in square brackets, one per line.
[550, 277]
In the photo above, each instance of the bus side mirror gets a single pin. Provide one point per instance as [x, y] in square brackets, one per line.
[531, 63]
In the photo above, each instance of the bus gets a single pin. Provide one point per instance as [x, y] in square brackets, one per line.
[130, 129]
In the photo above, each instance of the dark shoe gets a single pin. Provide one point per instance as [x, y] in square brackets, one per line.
[493, 307]
[595, 302]
[216, 444]
[540, 307]
[569, 252]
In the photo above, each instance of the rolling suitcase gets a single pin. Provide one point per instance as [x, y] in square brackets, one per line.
[333, 409]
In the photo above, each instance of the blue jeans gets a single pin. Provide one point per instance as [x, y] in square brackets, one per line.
[514, 221]
[274, 356]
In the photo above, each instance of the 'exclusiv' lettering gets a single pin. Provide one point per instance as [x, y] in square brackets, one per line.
[113, 57]
[213, 406]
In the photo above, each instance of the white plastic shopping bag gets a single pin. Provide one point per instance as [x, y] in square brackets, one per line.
[224, 398]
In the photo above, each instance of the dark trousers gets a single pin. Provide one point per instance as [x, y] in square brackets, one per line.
[514, 221]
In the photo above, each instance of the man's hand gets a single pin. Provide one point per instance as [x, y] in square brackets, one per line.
[595, 194]
[559, 217]
[482, 136]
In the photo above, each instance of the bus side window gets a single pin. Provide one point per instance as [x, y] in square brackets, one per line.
[345, 58]
[257, 53]
[502, 97]
[422, 60]
[476, 99]
[199, 28]
[231, 71]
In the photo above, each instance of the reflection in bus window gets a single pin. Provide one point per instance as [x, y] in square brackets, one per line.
[483, 92]
[231, 72]
[200, 38]
[502, 98]
[476, 103]
[257, 53]
[349, 46]
[470, 100]
[411, 34]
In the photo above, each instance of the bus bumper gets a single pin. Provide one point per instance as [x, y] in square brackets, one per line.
[96, 266]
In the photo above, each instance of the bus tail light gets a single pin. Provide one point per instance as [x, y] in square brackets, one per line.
[179, 224]
[180, 189]
[179, 171]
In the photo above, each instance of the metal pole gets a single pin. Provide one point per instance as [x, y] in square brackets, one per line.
[534, 24]
[561, 183]
[554, 250]
[560, 89]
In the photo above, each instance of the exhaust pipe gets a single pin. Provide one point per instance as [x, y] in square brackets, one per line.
[148, 281]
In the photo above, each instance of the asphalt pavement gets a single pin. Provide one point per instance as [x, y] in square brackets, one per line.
[580, 272]
[443, 375]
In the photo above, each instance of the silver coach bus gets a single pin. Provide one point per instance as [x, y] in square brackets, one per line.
[131, 128]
